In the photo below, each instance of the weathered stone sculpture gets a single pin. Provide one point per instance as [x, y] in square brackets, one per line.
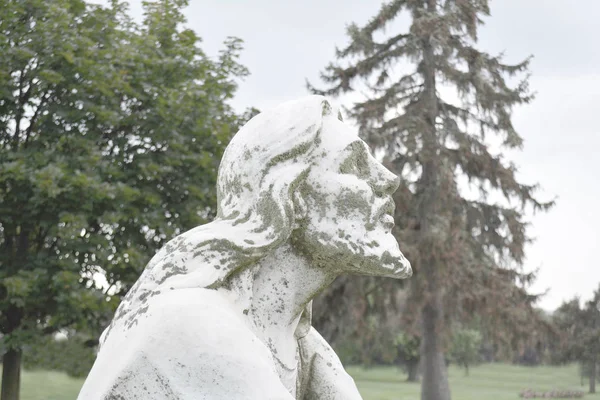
[222, 312]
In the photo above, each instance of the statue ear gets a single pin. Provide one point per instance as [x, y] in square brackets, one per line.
[300, 207]
[326, 108]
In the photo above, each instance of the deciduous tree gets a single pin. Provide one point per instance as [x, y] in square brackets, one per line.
[110, 136]
[465, 348]
[579, 330]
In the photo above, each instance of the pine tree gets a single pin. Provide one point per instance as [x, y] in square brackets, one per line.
[466, 251]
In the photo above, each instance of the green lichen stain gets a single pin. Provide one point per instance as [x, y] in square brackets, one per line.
[244, 219]
[294, 152]
[357, 162]
[326, 108]
[171, 269]
[350, 203]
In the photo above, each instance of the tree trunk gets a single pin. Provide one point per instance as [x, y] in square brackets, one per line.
[593, 375]
[435, 379]
[413, 371]
[434, 385]
[11, 375]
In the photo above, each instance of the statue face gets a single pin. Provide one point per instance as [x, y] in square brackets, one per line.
[349, 208]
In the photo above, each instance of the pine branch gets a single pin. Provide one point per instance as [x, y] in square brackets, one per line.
[495, 227]
[361, 37]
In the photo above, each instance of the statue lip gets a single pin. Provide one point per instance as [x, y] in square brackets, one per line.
[388, 221]
[385, 214]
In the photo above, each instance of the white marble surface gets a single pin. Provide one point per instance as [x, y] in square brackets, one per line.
[223, 310]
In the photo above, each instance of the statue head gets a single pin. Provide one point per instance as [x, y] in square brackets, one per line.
[294, 174]
[298, 173]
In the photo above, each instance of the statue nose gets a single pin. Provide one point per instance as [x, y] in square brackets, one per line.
[387, 183]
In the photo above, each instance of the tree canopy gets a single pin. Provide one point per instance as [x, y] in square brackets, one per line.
[578, 330]
[110, 136]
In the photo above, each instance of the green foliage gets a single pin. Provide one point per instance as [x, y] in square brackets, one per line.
[354, 315]
[586, 370]
[376, 345]
[408, 347]
[110, 136]
[578, 330]
[368, 346]
[71, 355]
[465, 347]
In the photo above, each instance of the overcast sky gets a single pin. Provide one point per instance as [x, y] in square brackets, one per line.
[289, 41]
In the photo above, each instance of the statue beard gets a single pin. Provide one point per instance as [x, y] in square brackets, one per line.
[372, 255]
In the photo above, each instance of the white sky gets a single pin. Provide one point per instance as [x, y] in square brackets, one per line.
[289, 41]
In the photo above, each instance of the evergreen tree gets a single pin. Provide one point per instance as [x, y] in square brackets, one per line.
[110, 138]
[466, 252]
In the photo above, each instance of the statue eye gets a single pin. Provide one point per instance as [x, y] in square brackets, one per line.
[349, 166]
[355, 164]
[357, 161]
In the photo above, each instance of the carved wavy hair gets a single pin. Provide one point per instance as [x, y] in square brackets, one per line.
[260, 172]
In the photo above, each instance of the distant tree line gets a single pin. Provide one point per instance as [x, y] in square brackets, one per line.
[570, 334]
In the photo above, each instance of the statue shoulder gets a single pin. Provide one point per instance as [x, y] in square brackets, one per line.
[190, 344]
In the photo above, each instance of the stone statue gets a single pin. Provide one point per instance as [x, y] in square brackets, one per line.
[222, 312]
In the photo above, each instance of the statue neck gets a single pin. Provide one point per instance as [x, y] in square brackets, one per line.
[282, 285]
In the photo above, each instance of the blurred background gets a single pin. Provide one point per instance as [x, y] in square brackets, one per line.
[114, 116]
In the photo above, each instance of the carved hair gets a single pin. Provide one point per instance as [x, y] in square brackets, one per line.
[260, 171]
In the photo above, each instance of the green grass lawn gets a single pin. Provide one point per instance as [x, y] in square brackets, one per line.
[45, 385]
[491, 381]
